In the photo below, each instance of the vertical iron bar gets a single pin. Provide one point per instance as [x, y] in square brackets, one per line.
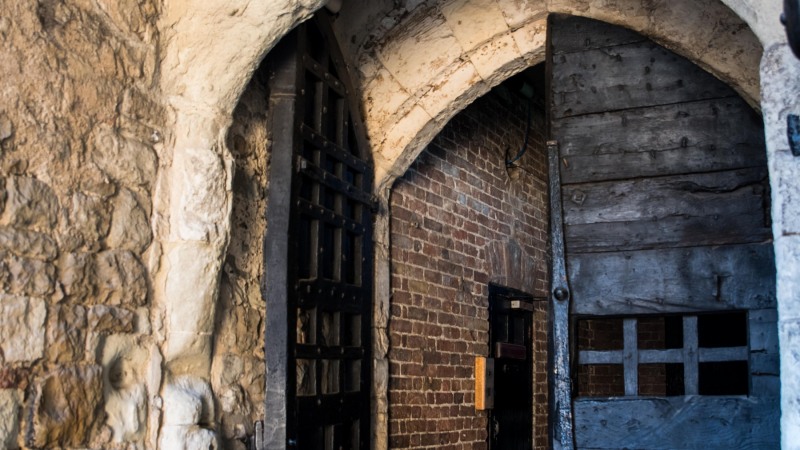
[561, 395]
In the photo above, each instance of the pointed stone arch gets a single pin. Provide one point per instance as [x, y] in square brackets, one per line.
[209, 52]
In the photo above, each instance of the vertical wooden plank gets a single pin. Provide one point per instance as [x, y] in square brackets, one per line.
[279, 377]
[560, 396]
[690, 356]
[630, 359]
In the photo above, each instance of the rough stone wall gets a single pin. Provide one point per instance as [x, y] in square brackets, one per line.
[238, 360]
[80, 133]
[459, 221]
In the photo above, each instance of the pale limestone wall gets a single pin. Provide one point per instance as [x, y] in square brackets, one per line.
[81, 131]
[117, 185]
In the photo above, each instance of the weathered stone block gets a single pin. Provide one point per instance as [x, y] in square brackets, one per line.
[110, 319]
[190, 265]
[30, 203]
[75, 274]
[66, 333]
[130, 227]
[196, 214]
[401, 56]
[517, 12]
[121, 279]
[65, 407]
[28, 244]
[473, 21]
[86, 221]
[141, 115]
[112, 277]
[497, 59]
[190, 402]
[22, 327]
[6, 127]
[530, 40]
[187, 438]
[25, 276]
[128, 161]
[9, 418]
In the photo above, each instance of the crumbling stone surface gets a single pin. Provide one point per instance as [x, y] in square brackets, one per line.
[124, 362]
[65, 407]
[30, 203]
[79, 110]
[113, 277]
[9, 418]
[111, 319]
[21, 324]
[28, 244]
[130, 228]
[66, 333]
[238, 361]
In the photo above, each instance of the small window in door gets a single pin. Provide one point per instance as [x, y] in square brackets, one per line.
[663, 355]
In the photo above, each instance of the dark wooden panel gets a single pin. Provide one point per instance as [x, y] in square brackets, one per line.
[627, 76]
[691, 376]
[667, 232]
[573, 34]
[679, 422]
[695, 195]
[763, 327]
[673, 280]
[702, 136]
[682, 210]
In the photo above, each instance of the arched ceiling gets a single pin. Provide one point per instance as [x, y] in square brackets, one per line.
[419, 63]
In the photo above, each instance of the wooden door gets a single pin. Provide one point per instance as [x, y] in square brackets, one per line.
[670, 276]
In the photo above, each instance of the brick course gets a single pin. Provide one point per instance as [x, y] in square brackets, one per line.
[459, 221]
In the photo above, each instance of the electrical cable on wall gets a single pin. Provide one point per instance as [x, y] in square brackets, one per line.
[527, 91]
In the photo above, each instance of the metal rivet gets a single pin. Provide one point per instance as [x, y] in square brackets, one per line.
[561, 294]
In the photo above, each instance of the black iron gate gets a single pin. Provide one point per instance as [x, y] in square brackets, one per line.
[319, 310]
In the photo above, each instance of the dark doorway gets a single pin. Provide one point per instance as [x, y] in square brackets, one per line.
[511, 345]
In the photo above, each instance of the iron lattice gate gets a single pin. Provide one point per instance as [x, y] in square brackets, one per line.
[328, 283]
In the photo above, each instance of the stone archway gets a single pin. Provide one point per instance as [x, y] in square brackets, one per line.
[201, 79]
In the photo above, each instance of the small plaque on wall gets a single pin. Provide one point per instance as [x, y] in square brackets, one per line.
[484, 383]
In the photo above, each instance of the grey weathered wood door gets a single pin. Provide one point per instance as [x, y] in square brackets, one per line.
[670, 277]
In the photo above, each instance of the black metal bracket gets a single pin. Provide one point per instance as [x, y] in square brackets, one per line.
[793, 133]
[791, 20]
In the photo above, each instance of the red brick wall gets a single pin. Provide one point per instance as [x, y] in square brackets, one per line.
[459, 221]
[607, 380]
